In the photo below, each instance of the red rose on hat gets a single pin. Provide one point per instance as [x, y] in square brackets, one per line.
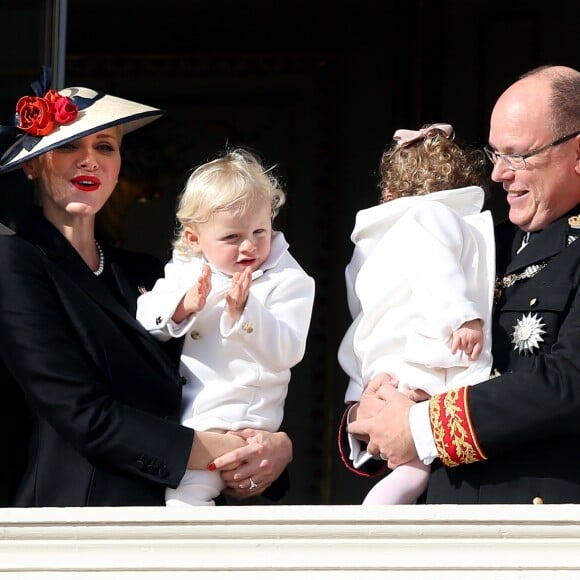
[35, 115]
[38, 115]
[52, 96]
[65, 110]
[49, 119]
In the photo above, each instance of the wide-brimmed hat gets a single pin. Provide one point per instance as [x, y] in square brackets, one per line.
[52, 118]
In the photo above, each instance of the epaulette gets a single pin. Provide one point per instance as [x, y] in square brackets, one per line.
[574, 222]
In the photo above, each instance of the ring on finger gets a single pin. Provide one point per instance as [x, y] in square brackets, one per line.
[253, 484]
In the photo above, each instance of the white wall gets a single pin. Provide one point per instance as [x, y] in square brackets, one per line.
[322, 542]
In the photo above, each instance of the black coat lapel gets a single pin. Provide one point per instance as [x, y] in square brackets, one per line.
[545, 245]
[40, 232]
[76, 269]
[56, 247]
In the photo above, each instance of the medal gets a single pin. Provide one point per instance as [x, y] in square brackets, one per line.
[527, 333]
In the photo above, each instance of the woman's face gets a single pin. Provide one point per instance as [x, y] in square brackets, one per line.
[77, 178]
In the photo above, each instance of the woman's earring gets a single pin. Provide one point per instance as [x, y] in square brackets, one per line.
[30, 177]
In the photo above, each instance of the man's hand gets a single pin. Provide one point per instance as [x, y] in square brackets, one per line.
[382, 419]
[371, 401]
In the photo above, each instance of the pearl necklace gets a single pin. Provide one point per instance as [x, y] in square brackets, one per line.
[101, 267]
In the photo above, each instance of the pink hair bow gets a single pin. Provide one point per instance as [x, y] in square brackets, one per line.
[405, 137]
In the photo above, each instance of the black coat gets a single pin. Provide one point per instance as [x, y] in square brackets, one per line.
[100, 421]
[527, 420]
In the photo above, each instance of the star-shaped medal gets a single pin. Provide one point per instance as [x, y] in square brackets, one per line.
[527, 333]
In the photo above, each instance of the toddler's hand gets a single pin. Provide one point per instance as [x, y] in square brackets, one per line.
[237, 295]
[196, 296]
[468, 338]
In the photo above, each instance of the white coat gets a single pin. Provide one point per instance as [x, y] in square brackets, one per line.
[237, 373]
[421, 267]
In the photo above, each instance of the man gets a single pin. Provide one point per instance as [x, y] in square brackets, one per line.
[515, 437]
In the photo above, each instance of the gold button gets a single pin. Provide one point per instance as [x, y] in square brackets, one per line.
[194, 334]
[247, 327]
[533, 301]
[537, 501]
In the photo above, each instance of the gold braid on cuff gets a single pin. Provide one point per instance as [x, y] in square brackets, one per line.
[453, 431]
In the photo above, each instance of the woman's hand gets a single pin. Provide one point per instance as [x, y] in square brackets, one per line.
[263, 459]
[208, 444]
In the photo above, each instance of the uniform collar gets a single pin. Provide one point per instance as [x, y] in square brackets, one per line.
[544, 245]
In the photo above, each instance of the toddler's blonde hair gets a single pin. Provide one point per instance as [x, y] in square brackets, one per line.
[232, 182]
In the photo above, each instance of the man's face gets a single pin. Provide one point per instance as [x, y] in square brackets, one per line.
[549, 185]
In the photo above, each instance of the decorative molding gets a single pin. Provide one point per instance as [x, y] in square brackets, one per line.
[255, 542]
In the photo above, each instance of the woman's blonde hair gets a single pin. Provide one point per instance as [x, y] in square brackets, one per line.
[430, 164]
[231, 182]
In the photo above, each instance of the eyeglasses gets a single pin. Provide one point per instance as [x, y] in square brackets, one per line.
[515, 161]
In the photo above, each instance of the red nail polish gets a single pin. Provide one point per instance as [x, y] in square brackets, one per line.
[212, 466]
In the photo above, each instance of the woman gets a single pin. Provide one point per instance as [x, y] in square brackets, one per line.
[102, 400]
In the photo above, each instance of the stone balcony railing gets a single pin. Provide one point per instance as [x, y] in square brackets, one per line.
[283, 542]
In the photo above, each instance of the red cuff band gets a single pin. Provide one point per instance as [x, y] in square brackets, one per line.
[452, 429]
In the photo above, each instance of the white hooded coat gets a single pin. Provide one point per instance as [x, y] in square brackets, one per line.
[421, 267]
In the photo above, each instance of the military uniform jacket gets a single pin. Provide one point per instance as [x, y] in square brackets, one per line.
[101, 397]
[515, 437]
[525, 423]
